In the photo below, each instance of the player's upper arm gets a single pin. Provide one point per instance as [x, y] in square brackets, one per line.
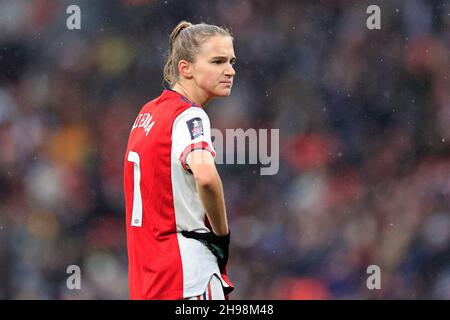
[201, 163]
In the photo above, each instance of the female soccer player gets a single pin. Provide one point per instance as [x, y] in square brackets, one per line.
[177, 229]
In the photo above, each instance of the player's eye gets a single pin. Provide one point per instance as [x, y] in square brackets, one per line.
[217, 61]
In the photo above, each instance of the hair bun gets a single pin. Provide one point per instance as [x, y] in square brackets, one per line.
[180, 27]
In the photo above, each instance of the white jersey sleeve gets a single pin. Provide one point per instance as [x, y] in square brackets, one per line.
[191, 130]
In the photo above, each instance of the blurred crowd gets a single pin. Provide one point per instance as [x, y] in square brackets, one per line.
[364, 120]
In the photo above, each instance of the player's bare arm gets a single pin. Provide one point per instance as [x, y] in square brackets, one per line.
[210, 190]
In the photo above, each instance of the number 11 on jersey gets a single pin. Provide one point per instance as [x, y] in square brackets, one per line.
[136, 215]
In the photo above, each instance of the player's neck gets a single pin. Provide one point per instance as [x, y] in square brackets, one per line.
[192, 94]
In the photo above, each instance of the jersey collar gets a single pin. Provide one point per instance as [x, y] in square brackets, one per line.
[169, 93]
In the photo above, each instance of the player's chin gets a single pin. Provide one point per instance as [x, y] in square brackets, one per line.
[223, 92]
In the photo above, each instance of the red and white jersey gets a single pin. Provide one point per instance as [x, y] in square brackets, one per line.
[162, 200]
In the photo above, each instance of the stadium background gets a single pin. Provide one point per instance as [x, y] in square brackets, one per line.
[364, 119]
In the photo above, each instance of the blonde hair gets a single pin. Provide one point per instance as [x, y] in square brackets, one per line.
[185, 41]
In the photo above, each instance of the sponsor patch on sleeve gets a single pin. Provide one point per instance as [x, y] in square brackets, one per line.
[195, 127]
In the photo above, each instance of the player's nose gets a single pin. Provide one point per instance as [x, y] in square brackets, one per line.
[230, 72]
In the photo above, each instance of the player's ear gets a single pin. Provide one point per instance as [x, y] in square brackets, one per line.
[185, 69]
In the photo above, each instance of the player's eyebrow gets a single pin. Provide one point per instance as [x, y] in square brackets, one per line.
[233, 59]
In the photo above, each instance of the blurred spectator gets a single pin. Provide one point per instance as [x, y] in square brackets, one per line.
[364, 119]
